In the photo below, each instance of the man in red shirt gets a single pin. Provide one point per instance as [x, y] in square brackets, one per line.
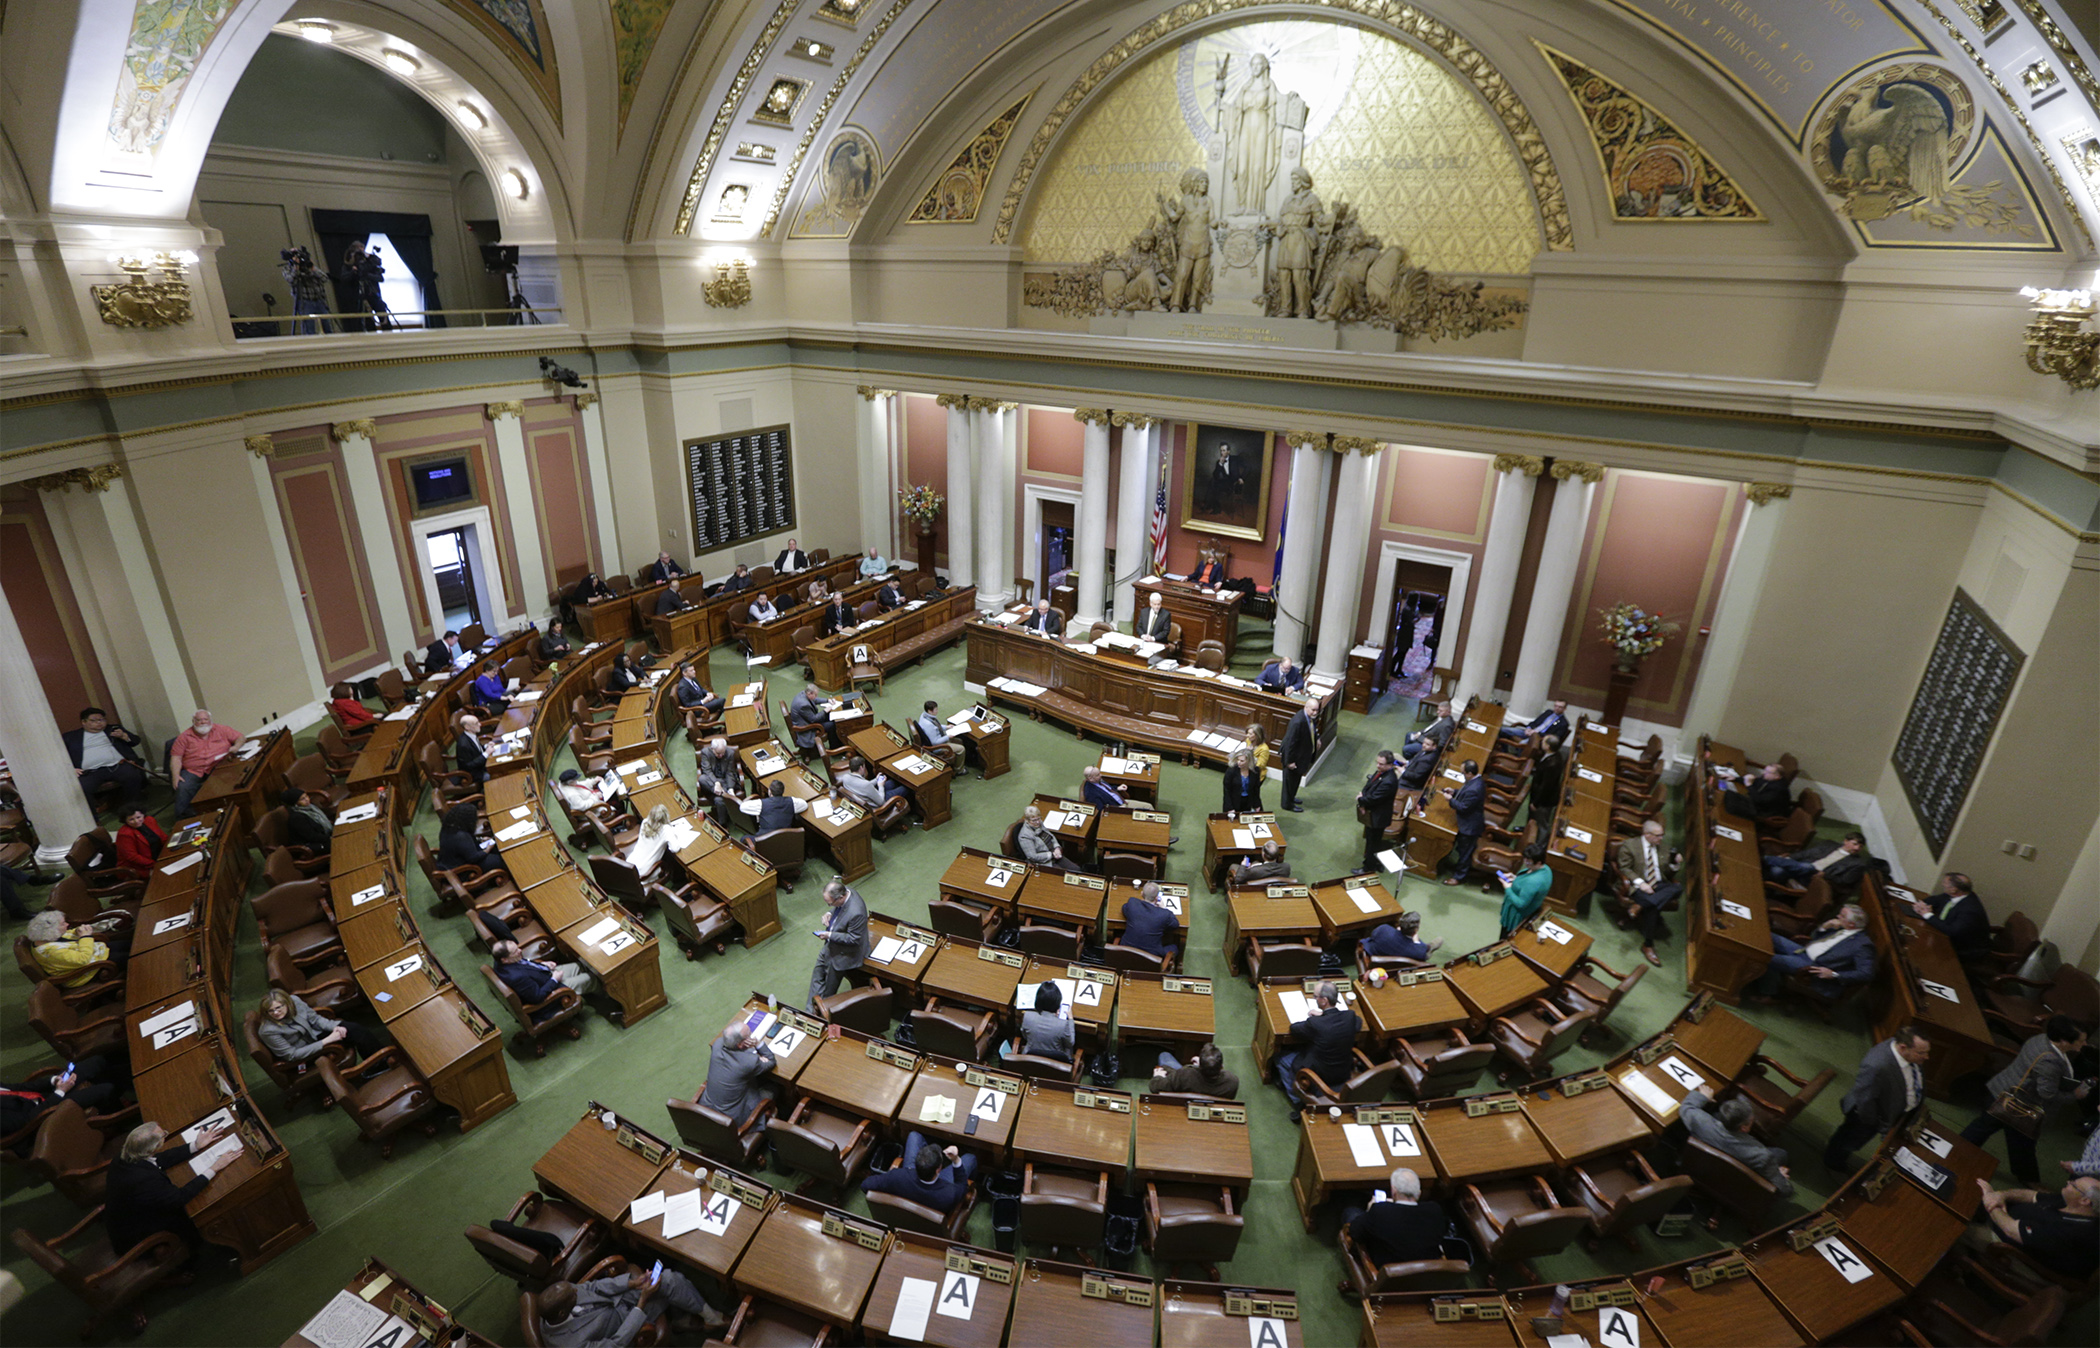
[139, 841]
[195, 752]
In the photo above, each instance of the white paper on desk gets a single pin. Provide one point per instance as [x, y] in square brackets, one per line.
[599, 930]
[914, 1305]
[1734, 909]
[403, 713]
[219, 1157]
[1844, 1260]
[524, 828]
[885, 949]
[751, 660]
[650, 778]
[1648, 1093]
[988, 1104]
[1361, 897]
[618, 943]
[1556, 933]
[1295, 1008]
[937, 1109]
[357, 814]
[785, 1041]
[958, 1294]
[1401, 1141]
[742, 700]
[1588, 776]
[521, 812]
[396, 972]
[1682, 1073]
[154, 1024]
[681, 1214]
[1454, 774]
[1567, 1341]
[679, 834]
[206, 1124]
[347, 1321]
[1243, 838]
[168, 924]
[913, 764]
[1005, 619]
[998, 879]
[1728, 833]
[1390, 859]
[647, 1206]
[1363, 1146]
[1939, 990]
[1476, 727]
[717, 1211]
[175, 867]
[629, 769]
[1581, 835]
[533, 695]
[1054, 820]
[1937, 1145]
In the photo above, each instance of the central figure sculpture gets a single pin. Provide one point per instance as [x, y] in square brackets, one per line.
[1256, 146]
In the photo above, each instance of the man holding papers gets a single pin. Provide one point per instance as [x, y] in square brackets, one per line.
[1325, 1038]
[734, 1065]
[845, 938]
[1402, 1229]
[922, 1179]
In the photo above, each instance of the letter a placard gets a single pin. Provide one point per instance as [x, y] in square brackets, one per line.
[958, 1294]
[1618, 1328]
[1265, 1332]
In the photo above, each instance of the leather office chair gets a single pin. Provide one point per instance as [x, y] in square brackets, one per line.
[1364, 1275]
[1772, 1105]
[93, 857]
[1010, 842]
[654, 1330]
[806, 636]
[1734, 1185]
[472, 636]
[758, 1321]
[582, 1236]
[311, 774]
[1799, 828]
[902, 1214]
[2011, 944]
[592, 761]
[1795, 910]
[785, 848]
[2020, 1007]
[298, 1080]
[1210, 655]
[1518, 1219]
[868, 1010]
[465, 886]
[393, 689]
[108, 1284]
[954, 1031]
[618, 878]
[1037, 1067]
[972, 922]
[327, 988]
[298, 918]
[272, 836]
[1191, 1224]
[1368, 1082]
[525, 929]
[695, 920]
[1281, 959]
[1971, 1304]
[1140, 866]
[894, 817]
[69, 1031]
[829, 1147]
[1583, 992]
[282, 867]
[731, 1142]
[1048, 940]
[562, 1008]
[72, 897]
[1623, 1193]
[71, 1154]
[1064, 1208]
[105, 978]
[1532, 1036]
[451, 786]
[1131, 960]
[388, 1096]
[1440, 1064]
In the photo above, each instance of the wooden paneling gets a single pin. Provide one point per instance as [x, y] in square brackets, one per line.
[924, 462]
[561, 491]
[328, 553]
[41, 595]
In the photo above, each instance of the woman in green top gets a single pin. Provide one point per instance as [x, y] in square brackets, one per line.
[1524, 892]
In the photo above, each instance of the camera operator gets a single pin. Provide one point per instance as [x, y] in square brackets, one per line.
[371, 271]
[309, 287]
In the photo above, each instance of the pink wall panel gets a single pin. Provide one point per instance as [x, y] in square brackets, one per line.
[925, 462]
[561, 490]
[41, 595]
[1056, 443]
[321, 525]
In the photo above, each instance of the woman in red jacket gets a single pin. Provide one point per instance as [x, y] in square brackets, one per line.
[139, 842]
[351, 715]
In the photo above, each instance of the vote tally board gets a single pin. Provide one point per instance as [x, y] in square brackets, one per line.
[1960, 697]
[741, 486]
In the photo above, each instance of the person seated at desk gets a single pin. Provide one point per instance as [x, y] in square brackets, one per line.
[1325, 1039]
[105, 752]
[2060, 1231]
[1552, 721]
[738, 580]
[1433, 737]
[1210, 573]
[807, 719]
[1045, 621]
[305, 823]
[1281, 677]
[935, 732]
[1257, 746]
[490, 692]
[589, 590]
[692, 693]
[873, 792]
[1098, 793]
[1242, 784]
[776, 809]
[1147, 923]
[66, 954]
[874, 565]
[734, 1065]
[2039, 1075]
[664, 568]
[721, 776]
[1958, 915]
[1838, 954]
[88, 1082]
[536, 980]
[1842, 863]
[195, 752]
[297, 1033]
[445, 654]
[1205, 1076]
[553, 645]
[1401, 940]
[1153, 622]
[1404, 1228]
[1765, 796]
[621, 676]
[922, 1179]
[791, 559]
[837, 616]
[612, 1312]
[467, 753]
[1415, 773]
[891, 595]
[671, 601]
[1728, 1130]
[140, 841]
[1046, 1031]
[457, 844]
[818, 592]
[1650, 872]
[1039, 846]
[762, 610]
[584, 796]
[1524, 892]
[351, 714]
[140, 1201]
[646, 852]
[1270, 867]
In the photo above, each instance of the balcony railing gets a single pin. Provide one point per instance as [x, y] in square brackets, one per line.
[398, 320]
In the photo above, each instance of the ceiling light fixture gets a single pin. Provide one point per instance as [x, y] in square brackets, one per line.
[400, 62]
[468, 112]
[313, 30]
[514, 182]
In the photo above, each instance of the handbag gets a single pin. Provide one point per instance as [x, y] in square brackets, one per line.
[2015, 1111]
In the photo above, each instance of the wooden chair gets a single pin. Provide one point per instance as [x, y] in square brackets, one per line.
[1371, 1082]
[902, 1214]
[1363, 1275]
[105, 978]
[730, 1142]
[450, 787]
[327, 988]
[1441, 1064]
[388, 1097]
[393, 689]
[1281, 959]
[695, 920]
[954, 1031]
[93, 857]
[1534, 1035]
[1772, 1105]
[1063, 1208]
[1623, 1193]
[272, 836]
[1516, 1220]
[298, 917]
[2020, 1006]
[297, 1080]
[582, 1238]
[1210, 655]
[831, 1148]
[311, 774]
[1036, 1067]
[973, 922]
[1131, 960]
[785, 848]
[1139, 866]
[1191, 1224]
[1045, 940]
[1790, 837]
[2011, 944]
[1970, 1304]
[109, 1284]
[70, 1032]
[1583, 992]
[336, 747]
[868, 1010]
[71, 1154]
[1735, 1186]
[562, 1010]
[464, 886]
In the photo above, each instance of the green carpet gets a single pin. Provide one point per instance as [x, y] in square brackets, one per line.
[410, 1211]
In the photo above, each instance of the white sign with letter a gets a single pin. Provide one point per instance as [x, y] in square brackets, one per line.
[1618, 1326]
[1265, 1331]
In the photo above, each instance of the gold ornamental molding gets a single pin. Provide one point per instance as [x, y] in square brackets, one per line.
[823, 111]
[1530, 465]
[1360, 444]
[1305, 439]
[584, 400]
[1136, 421]
[726, 115]
[260, 445]
[871, 393]
[364, 427]
[1091, 416]
[97, 478]
[977, 404]
[2073, 63]
[1764, 493]
[136, 302]
[509, 407]
[1399, 19]
[954, 402]
[1592, 473]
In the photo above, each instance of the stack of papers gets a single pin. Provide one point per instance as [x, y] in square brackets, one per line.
[1361, 897]
[357, 814]
[533, 696]
[1007, 618]
[742, 700]
[1363, 1146]
[1648, 1093]
[1295, 1007]
[524, 828]
[349, 1321]
[176, 867]
[913, 764]
[1054, 820]
[680, 834]
[401, 714]
[1019, 687]
[1243, 838]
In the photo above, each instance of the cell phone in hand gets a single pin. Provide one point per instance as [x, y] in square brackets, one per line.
[656, 1273]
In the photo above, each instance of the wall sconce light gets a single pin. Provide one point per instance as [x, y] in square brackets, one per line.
[514, 183]
[469, 113]
[2058, 341]
[136, 302]
[731, 288]
[400, 62]
[313, 30]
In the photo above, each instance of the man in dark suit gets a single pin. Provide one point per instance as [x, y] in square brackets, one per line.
[775, 810]
[443, 654]
[1374, 805]
[1403, 1229]
[103, 751]
[922, 1178]
[1469, 806]
[671, 601]
[1765, 796]
[1100, 794]
[1888, 1088]
[1154, 623]
[691, 693]
[1045, 621]
[836, 617]
[734, 1065]
[791, 559]
[1297, 755]
[588, 589]
[1325, 1038]
[1281, 677]
[1843, 863]
[1271, 866]
[891, 595]
[1839, 953]
[1548, 771]
[739, 580]
[1958, 913]
[807, 719]
[1435, 736]
[663, 569]
[536, 980]
[845, 938]
[467, 752]
[1552, 721]
[1149, 924]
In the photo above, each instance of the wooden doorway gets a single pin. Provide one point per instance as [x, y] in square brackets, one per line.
[1415, 625]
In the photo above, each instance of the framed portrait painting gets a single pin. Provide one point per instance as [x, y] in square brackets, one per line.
[1226, 488]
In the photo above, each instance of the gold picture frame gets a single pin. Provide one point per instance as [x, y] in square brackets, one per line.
[1221, 506]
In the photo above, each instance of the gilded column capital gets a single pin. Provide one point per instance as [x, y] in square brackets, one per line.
[363, 428]
[509, 407]
[954, 402]
[1356, 444]
[977, 404]
[1305, 439]
[871, 393]
[1564, 469]
[260, 445]
[584, 400]
[97, 478]
[1764, 493]
[1136, 421]
[1091, 416]
[1530, 465]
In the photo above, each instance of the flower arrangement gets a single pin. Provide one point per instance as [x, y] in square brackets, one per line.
[922, 505]
[1631, 631]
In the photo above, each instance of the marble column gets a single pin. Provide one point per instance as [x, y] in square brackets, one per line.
[1138, 481]
[260, 448]
[962, 571]
[1745, 581]
[878, 493]
[1090, 553]
[1311, 466]
[1517, 476]
[592, 414]
[996, 433]
[361, 471]
[1559, 557]
[29, 736]
[508, 418]
[1355, 481]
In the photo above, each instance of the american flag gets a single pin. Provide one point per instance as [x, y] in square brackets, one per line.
[1276, 575]
[1159, 517]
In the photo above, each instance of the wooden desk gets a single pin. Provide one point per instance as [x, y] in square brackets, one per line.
[960, 972]
[1914, 954]
[1553, 947]
[1120, 892]
[1091, 1002]
[565, 900]
[1408, 1320]
[248, 786]
[1135, 775]
[1055, 1130]
[916, 947]
[1968, 1161]
[160, 974]
[1469, 1150]
[973, 877]
[792, 1261]
[169, 922]
[1142, 831]
[1227, 842]
[1204, 614]
[843, 1076]
[1049, 1311]
[1671, 1077]
[1193, 1315]
[1720, 1039]
[995, 1108]
[788, 1066]
[841, 828]
[1064, 899]
[395, 1296]
[1341, 913]
[1731, 1313]
[1728, 930]
[1490, 990]
[1327, 1164]
[536, 860]
[1146, 1012]
[1273, 1021]
[991, 736]
[1812, 1293]
[913, 630]
[748, 724]
[459, 1051]
[746, 883]
[589, 1166]
[1904, 1230]
[1071, 820]
[396, 988]
[624, 960]
[1279, 912]
[1576, 1128]
[988, 1300]
[683, 628]
[1393, 1012]
[377, 931]
[1174, 1148]
[1604, 1325]
[716, 1251]
[929, 781]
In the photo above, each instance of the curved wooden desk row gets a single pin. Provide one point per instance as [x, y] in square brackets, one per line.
[180, 1030]
[1114, 695]
[627, 614]
[895, 638]
[1728, 930]
[851, 1271]
[375, 1295]
[774, 641]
